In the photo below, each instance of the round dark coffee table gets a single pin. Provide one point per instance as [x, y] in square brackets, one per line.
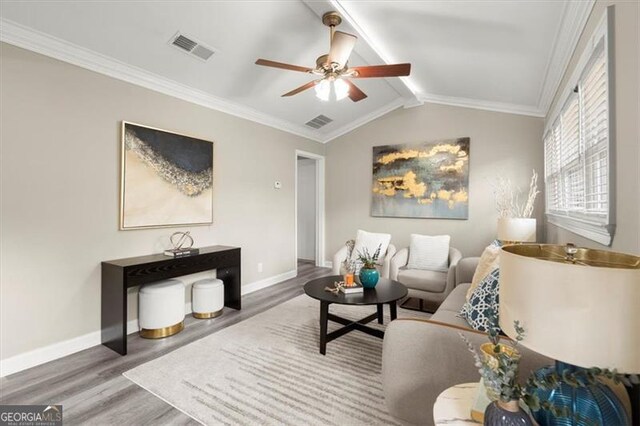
[385, 292]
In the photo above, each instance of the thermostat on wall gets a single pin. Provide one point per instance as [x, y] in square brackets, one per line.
[277, 184]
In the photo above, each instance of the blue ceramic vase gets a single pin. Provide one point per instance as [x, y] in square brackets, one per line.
[495, 415]
[369, 277]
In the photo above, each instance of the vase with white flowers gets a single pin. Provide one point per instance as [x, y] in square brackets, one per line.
[515, 223]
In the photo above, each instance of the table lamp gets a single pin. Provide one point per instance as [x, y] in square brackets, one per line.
[580, 307]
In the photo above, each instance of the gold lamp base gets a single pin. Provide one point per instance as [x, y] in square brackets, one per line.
[159, 333]
[207, 315]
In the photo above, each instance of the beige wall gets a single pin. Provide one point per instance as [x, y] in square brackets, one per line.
[627, 159]
[60, 173]
[501, 145]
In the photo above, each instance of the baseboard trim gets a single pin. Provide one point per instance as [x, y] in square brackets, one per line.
[59, 350]
[48, 353]
[328, 264]
[267, 282]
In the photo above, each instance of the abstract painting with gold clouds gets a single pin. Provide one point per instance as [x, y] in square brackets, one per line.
[427, 180]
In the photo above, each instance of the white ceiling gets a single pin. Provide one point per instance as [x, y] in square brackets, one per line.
[486, 54]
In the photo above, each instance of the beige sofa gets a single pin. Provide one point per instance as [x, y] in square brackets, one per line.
[422, 358]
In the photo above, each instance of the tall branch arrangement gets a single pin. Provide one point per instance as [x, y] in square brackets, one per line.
[508, 198]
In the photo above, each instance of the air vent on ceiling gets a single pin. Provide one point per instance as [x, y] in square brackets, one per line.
[190, 46]
[319, 121]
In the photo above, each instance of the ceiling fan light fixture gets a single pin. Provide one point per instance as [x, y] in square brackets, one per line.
[333, 69]
[323, 90]
[341, 88]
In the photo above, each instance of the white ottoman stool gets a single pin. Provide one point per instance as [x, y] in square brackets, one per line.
[161, 309]
[207, 298]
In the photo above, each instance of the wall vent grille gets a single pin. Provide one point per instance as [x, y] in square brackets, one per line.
[319, 121]
[190, 46]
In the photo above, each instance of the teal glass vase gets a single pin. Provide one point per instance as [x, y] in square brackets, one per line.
[369, 277]
[589, 405]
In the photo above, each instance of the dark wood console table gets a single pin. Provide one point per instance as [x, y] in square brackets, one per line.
[122, 274]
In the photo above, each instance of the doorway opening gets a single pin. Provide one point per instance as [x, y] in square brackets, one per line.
[309, 209]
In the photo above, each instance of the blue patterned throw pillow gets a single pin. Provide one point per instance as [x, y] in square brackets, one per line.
[483, 300]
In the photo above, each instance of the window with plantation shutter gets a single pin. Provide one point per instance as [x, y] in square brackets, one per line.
[595, 131]
[577, 145]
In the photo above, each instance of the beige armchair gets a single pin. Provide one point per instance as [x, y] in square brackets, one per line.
[341, 256]
[431, 286]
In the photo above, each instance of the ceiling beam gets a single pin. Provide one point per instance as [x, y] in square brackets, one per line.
[366, 48]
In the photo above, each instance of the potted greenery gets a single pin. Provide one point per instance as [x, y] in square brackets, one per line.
[369, 275]
[498, 365]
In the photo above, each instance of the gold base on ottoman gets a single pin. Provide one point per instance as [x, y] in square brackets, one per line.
[159, 333]
[207, 315]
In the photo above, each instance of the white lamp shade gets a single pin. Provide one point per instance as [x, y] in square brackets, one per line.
[584, 315]
[519, 229]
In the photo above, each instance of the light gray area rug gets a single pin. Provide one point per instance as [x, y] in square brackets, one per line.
[267, 370]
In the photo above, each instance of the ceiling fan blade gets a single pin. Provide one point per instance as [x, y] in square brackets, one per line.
[355, 94]
[394, 70]
[341, 46]
[273, 64]
[302, 88]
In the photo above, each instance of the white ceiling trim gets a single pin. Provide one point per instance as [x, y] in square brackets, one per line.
[393, 105]
[36, 41]
[572, 24]
[381, 54]
[419, 97]
[484, 105]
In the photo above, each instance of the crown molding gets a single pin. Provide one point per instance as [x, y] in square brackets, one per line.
[385, 109]
[574, 19]
[483, 105]
[36, 41]
[571, 26]
[421, 99]
[404, 86]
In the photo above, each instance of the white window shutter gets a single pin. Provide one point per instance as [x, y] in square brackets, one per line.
[595, 133]
[571, 165]
[577, 182]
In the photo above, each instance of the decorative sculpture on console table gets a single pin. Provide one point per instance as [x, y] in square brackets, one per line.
[182, 243]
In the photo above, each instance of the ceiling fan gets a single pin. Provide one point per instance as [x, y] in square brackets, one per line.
[333, 67]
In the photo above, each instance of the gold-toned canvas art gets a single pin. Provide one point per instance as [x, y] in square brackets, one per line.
[166, 179]
[426, 180]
